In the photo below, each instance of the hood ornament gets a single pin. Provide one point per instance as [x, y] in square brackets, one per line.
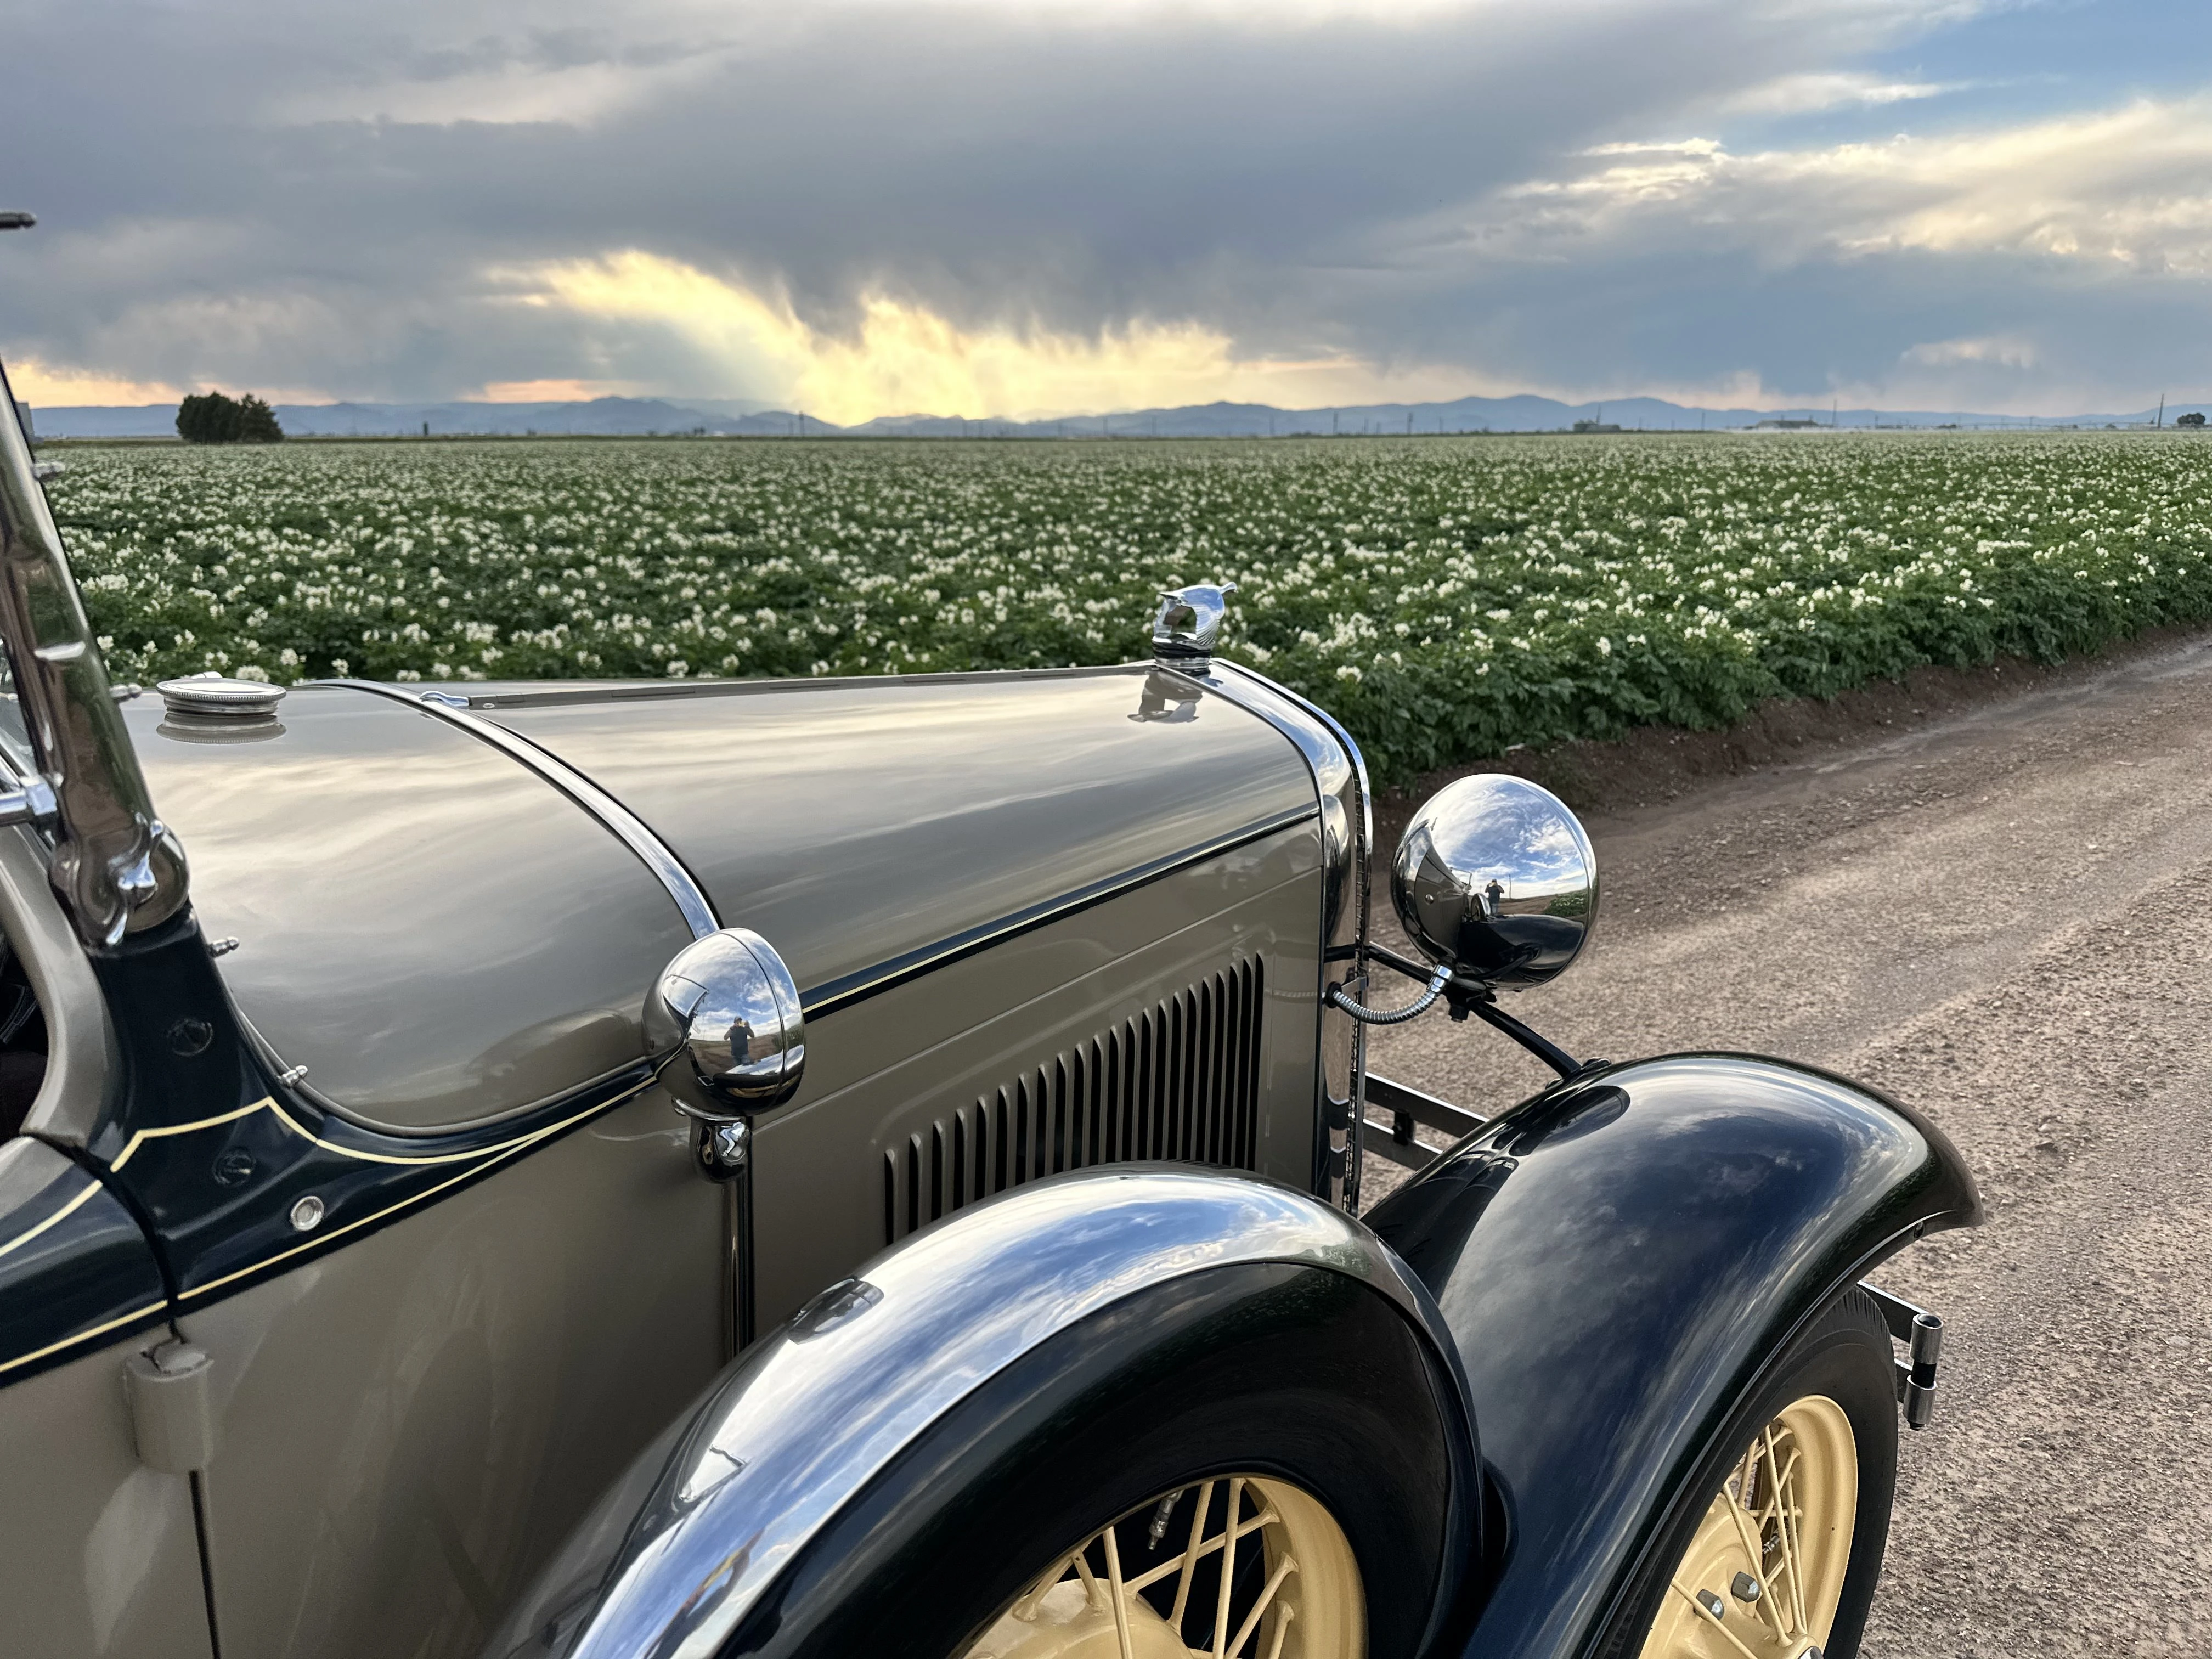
[1188, 626]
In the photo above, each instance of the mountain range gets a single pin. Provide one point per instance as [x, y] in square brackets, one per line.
[734, 417]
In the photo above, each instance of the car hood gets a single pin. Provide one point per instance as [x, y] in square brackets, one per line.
[441, 936]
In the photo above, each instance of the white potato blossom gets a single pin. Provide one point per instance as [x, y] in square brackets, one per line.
[1446, 595]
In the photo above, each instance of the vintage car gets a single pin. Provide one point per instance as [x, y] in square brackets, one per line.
[872, 1167]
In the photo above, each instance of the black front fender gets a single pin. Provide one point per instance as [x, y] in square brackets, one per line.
[1618, 1258]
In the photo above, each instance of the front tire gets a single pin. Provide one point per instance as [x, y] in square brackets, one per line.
[1773, 1548]
[1303, 1390]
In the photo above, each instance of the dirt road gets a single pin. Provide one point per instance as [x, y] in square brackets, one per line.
[2006, 919]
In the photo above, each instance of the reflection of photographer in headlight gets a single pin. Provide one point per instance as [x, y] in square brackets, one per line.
[1530, 934]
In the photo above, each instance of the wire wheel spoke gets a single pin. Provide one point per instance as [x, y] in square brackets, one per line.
[1764, 1573]
[1253, 1569]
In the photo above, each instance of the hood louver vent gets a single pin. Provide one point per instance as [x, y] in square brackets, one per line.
[1179, 1081]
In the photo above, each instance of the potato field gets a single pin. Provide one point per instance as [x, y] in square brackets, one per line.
[1446, 597]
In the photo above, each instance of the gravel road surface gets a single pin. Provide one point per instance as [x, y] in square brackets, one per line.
[2006, 919]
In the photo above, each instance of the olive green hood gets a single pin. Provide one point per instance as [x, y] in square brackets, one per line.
[441, 936]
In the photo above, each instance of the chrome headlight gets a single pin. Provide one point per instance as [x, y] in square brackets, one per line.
[1495, 879]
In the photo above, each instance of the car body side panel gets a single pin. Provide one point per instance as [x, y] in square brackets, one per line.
[485, 1315]
[407, 1425]
[904, 1062]
[854, 823]
[98, 1555]
[1617, 1258]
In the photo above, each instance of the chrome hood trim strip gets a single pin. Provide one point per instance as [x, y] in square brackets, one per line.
[619, 821]
[681, 1548]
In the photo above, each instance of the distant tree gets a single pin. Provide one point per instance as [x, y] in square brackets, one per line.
[209, 417]
[2193, 418]
[257, 422]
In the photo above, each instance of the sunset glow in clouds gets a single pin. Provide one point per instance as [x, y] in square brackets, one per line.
[902, 359]
[883, 207]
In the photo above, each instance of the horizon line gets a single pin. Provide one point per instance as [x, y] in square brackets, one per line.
[684, 401]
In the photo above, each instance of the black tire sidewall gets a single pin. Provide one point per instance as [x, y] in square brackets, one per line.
[1293, 1372]
[1843, 1354]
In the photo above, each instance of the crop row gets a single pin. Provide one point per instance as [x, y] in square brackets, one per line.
[1447, 598]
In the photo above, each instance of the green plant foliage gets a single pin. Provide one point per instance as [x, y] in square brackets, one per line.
[1446, 597]
[209, 417]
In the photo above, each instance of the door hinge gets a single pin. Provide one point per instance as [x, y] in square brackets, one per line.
[172, 1409]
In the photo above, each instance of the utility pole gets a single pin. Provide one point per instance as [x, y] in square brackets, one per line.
[2161, 411]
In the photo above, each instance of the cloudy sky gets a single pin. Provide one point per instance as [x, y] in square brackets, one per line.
[1024, 207]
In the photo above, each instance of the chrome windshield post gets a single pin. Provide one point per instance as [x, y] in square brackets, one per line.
[117, 870]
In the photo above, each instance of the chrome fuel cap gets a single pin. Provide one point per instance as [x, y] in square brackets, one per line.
[214, 695]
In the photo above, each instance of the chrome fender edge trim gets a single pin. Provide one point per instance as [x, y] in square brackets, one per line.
[680, 1548]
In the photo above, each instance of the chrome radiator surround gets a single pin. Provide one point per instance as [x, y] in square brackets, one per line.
[1347, 819]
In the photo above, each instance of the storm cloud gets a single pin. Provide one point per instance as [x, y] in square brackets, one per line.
[1022, 208]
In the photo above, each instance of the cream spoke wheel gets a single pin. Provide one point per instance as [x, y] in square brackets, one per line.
[1763, 1576]
[1261, 1570]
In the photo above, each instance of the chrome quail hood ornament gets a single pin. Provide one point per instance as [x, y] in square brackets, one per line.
[1188, 626]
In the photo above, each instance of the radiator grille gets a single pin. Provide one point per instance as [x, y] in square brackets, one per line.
[1181, 1080]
